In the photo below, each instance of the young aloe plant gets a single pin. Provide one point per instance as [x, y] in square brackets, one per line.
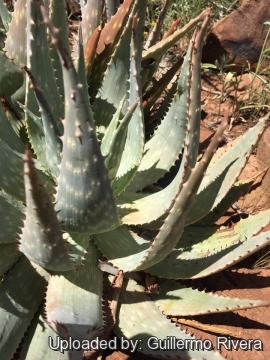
[80, 199]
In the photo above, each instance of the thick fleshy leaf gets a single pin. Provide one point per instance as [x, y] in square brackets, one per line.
[172, 28]
[11, 86]
[10, 220]
[114, 141]
[77, 244]
[12, 58]
[79, 62]
[174, 223]
[156, 32]
[160, 49]
[42, 238]
[141, 211]
[7, 133]
[90, 52]
[200, 251]
[109, 37]
[11, 181]
[170, 231]
[164, 147]
[177, 300]
[53, 144]
[9, 256]
[40, 65]
[133, 150]
[41, 340]
[21, 294]
[17, 34]
[111, 7]
[240, 188]
[5, 16]
[122, 247]
[152, 95]
[58, 15]
[84, 196]
[114, 84]
[39, 60]
[73, 300]
[91, 15]
[206, 260]
[199, 242]
[111, 129]
[223, 171]
[135, 322]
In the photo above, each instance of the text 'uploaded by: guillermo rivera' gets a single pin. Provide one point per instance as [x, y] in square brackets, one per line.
[171, 343]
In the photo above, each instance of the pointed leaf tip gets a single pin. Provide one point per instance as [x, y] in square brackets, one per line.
[41, 239]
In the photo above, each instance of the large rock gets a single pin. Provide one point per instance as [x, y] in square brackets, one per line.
[239, 35]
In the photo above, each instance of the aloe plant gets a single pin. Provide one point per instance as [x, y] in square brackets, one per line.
[74, 199]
